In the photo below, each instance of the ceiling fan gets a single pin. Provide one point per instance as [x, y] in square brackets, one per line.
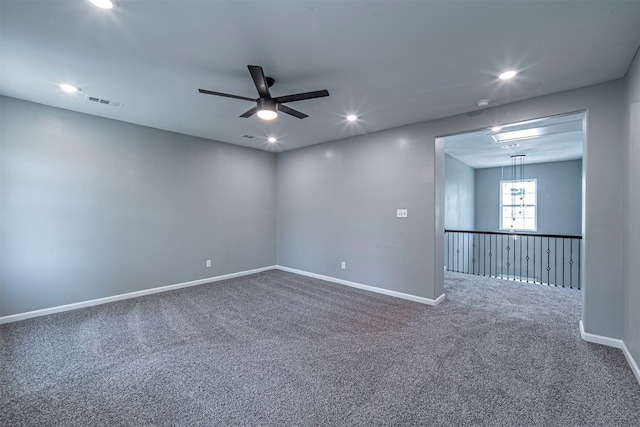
[267, 107]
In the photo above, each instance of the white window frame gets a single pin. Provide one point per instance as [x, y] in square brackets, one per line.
[505, 227]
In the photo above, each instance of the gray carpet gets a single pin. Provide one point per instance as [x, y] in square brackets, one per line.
[281, 349]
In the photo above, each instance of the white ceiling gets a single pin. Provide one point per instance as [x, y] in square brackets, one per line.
[559, 138]
[392, 63]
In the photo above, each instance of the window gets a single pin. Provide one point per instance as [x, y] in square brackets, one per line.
[518, 205]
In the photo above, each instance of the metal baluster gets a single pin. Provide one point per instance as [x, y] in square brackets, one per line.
[520, 258]
[468, 255]
[496, 267]
[455, 251]
[457, 255]
[501, 255]
[462, 252]
[473, 271]
[579, 260]
[541, 261]
[453, 259]
[571, 263]
[555, 261]
[563, 262]
[480, 251]
[527, 259]
[468, 263]
[460, 236]
[449, 251]
[458, 246]
[508, 261]
[490, 256]
[464, 257]
[484, 247]
[484, 254]
[548, 263]
[534, 259]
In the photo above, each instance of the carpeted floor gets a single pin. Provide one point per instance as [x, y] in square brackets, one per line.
[281, 349]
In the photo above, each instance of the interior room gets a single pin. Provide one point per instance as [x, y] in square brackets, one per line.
[240, 213]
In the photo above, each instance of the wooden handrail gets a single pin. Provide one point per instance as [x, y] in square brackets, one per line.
[508, 233]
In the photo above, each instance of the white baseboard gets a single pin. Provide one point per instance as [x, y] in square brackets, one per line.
[631, 361]
[98, 301]
[599, 339]
[612, 342]
[396, 294]
[82, 304]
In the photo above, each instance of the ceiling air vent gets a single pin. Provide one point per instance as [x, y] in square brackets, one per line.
[104, 101]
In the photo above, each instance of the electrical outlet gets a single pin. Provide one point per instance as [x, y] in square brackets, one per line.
[343, 265]
[208, 263]
[401, 213]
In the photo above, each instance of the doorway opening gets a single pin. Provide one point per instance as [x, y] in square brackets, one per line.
[513, 201]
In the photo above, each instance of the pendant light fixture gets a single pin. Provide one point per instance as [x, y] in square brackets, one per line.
[517, 192]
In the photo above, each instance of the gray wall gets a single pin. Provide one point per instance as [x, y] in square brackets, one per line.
[337, 201]
[459, 199]
[632, 210]
[92, 207]
[89, 201]
[559, 196]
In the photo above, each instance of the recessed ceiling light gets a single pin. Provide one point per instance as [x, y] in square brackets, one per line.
[272, 140]
[352, 118]
[507, 75]
[69, 88]
[496, 128]
[482, 103]
[104, 4]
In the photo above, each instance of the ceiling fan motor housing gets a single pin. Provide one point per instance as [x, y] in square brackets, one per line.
[266, 104]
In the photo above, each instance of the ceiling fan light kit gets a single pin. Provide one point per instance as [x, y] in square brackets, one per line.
[267, 107]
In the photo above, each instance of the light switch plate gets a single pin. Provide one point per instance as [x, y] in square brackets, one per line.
[401, 213]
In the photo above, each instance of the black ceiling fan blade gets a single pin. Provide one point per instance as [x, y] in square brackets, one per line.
[250, 113]
[210, 92]
[291, 111]
[257, 74]
[302, 96]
